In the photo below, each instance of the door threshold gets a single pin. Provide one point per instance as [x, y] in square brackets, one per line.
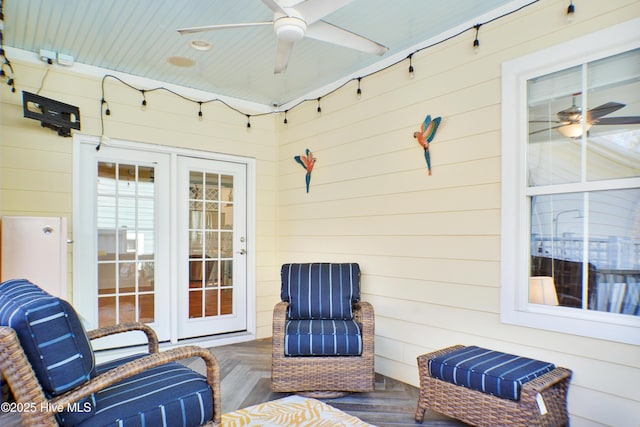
[107, 355]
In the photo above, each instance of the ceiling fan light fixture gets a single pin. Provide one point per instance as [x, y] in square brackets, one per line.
[573, 130]
[200, 45]
[289, 28]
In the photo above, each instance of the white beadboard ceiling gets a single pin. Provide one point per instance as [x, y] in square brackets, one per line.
[139, 37]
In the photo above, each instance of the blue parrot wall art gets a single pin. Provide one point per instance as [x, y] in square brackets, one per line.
[307, 163]
[426, 135]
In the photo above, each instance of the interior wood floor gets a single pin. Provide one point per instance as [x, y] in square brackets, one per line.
[245, 371]
[246, 380]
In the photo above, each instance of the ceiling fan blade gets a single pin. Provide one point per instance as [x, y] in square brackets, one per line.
[329, 33]
[222, 27]
[274, 6]
[603, 110]
[625, 120]
[283, 52]
[314, 10]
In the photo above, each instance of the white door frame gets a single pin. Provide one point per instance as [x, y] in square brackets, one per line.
[79, 297]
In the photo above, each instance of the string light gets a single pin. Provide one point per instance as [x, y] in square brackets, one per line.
[143, 105]
[107, 111]
[476, 42]
[6, 69]
[411, 70]
[571, 12]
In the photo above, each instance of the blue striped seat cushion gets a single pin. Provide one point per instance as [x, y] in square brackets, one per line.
[320, 290]
[323, 337]
[50, 334]
[168, 395]
[488, 371]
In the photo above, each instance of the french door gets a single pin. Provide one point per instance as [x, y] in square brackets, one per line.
[160, 238]
[212, 280]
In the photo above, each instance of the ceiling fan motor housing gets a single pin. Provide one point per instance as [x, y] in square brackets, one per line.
[290, 28]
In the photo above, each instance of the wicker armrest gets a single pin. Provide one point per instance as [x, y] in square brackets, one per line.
[152, 338]
[279, 322]
[137, 366]
[548, 380]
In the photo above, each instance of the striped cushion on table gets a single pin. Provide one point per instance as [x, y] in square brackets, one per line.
[323, 337]
[488, 371]
[320, 290]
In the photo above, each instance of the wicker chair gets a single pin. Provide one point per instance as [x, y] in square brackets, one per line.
[320, 368]
[43, 401]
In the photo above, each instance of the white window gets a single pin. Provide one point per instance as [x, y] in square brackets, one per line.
[571, 187]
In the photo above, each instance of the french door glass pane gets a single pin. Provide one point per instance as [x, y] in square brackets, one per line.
[126, 243]
[210, 244]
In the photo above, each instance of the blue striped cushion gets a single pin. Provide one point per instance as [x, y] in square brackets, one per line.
[488, 371]
[50, 333]
[322, 337]
[320, 291]
[168, 395]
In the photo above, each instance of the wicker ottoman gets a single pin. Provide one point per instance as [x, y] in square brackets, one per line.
[542, 401]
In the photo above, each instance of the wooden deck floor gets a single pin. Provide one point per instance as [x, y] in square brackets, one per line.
[246, 380]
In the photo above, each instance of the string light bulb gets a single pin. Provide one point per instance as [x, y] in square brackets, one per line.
[571, 12]
[285, 121]
[248, 121]
[476, 42]
[107, 111]
[319, 109]
[143, 104]
[200, 115]
[359, 91]
[411, 70]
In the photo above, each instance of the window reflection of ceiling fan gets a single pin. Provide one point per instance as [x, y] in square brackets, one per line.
[304, 19]
[569, 121]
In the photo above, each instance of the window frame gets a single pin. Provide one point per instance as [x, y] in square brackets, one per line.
[515, 251]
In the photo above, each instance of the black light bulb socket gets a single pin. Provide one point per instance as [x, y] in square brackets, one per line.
[248, 121]
[285, 121]
[476, 43]
[319, 109]
[571, 9]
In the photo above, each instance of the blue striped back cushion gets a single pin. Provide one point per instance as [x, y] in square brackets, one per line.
[488, 371]
[50, 334]
[320, 290]
[323, 337]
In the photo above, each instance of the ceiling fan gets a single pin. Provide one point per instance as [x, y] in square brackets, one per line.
[569, 121]
[304, 19]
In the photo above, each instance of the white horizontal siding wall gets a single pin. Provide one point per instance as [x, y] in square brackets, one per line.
[429, 246]
[36, 164]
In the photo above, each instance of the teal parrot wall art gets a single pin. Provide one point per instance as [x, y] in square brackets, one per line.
[307, 163]
[426, 135]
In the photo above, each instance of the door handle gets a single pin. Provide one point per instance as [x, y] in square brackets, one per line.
[242, 251]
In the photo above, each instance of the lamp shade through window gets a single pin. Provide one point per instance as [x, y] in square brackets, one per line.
[542, 290]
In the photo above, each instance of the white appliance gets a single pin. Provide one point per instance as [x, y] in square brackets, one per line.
[35, 248]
